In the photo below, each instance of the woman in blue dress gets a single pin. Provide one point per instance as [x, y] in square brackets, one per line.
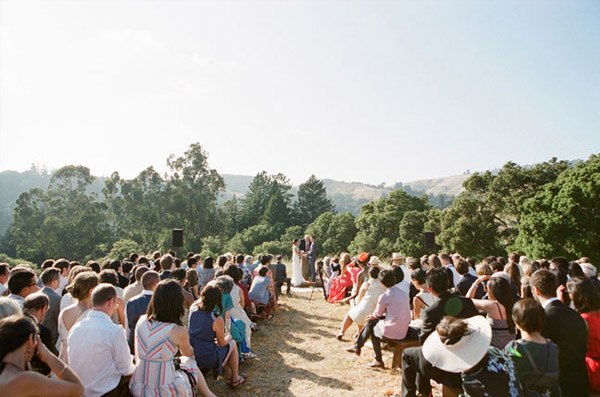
[213, 349]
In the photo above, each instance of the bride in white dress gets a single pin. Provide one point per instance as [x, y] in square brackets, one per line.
[297, 278]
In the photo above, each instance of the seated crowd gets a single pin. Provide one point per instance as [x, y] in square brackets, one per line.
[142, 326]
[494, 328]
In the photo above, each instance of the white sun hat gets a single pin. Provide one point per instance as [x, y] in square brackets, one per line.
[465, 353]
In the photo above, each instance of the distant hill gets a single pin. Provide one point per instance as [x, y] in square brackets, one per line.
[347, 196]
[236, 184]
[450, 185]
[351, 196]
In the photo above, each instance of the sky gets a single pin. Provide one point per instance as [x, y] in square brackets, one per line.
[369, 91]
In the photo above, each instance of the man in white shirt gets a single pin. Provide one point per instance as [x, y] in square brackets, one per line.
[445, 259]
[98, 350]
[398, 261]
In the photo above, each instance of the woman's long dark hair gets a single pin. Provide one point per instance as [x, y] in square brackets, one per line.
[500, 290]
[15, 330]
[586, 297]
[515, 275]
[166, 304]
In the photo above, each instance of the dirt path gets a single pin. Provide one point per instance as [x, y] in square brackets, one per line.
[299, 356]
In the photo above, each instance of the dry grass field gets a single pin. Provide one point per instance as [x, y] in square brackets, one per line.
[300, 356]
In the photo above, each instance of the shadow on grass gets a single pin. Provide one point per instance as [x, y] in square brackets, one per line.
[272, 374]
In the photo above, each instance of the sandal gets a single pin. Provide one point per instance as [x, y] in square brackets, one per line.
[377, 364]
[238, 382]
[339, 336]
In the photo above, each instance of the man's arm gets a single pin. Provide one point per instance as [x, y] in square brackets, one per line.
[380, 308]
[129, 313]
[123, 360]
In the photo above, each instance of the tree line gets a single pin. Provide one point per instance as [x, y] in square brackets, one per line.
[548, 209]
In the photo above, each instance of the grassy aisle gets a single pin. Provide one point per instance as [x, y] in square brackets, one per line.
[299, 356]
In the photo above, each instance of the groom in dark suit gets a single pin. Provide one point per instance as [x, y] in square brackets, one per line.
[567, 329]
[304, 247]
[312, 257]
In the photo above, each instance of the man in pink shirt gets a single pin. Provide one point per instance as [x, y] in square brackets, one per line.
[390, 319]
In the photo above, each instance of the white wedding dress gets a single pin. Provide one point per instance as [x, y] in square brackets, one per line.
[297, 278]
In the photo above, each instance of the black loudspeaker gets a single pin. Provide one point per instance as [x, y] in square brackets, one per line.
[429, 241]
[177, 238]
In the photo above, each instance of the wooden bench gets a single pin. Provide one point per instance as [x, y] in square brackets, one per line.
[398, 347]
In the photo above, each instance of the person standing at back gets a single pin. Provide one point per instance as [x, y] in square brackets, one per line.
[567, 329]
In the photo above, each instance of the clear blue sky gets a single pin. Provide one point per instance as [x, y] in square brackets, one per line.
[365, 91]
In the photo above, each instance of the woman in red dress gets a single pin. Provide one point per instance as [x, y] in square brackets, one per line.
[340, 284]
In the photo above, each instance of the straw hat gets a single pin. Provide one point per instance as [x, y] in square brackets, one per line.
[464, 354]
[397, 255]
[374, 260]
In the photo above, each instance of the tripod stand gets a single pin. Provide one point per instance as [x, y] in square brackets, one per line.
[320, 273]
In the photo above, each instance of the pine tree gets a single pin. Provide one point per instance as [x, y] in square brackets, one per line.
[312, 201]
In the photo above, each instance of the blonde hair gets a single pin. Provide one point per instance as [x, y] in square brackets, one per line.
[483, 269]
[83, 285]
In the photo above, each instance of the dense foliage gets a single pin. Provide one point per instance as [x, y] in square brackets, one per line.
[550, 208]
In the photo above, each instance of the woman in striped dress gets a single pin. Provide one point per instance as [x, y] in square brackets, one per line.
[158, 336]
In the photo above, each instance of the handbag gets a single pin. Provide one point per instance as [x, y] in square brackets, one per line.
[188, 373]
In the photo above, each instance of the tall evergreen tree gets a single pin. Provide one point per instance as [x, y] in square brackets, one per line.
[312, 201]
[268, 200]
